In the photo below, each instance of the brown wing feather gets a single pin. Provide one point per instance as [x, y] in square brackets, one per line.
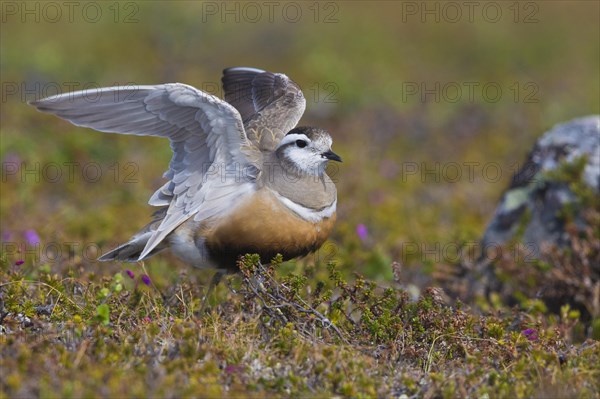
[270, 104]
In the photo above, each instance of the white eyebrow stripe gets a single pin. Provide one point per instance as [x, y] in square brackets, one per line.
[248, 69]
[290, 138]
[309, 214]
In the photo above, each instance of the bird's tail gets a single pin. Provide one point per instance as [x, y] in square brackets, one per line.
[131, 251]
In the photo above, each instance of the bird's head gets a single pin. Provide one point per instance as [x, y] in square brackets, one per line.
[306, 150]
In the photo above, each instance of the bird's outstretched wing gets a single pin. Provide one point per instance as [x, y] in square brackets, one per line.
[213, 162]
[270, 104]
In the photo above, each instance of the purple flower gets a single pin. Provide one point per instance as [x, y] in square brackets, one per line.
[130, 274]
[32, 237]
[531, 334]
[6, 236]
[12, 158]
[389, 168]
[233, 369]
[146, 279]
[361, 231]
[19, 262]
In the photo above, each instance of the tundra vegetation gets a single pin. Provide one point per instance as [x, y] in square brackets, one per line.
[381, 309]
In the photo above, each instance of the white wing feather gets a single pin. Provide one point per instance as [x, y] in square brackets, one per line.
[207, 137]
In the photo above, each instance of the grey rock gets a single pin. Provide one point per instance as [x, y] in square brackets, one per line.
[533, 201]
[529, 213]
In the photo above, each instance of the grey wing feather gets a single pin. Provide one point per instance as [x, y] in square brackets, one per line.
[270, 104]
[206, 136]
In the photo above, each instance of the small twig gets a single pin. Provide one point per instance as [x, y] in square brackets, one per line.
[81, 352]
[430, 352]
[300, 306]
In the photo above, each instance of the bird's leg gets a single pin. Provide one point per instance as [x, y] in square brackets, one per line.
[213, 283]
[229, 284]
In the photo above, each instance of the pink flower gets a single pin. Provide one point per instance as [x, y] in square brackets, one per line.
[19, 262]
[130, 274]
[146, 279]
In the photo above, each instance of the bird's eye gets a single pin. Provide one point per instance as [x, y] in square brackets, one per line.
[301, 143]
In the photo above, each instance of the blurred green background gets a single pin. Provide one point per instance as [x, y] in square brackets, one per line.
[432, 106]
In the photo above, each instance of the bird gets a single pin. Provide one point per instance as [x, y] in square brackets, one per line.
[243, 178]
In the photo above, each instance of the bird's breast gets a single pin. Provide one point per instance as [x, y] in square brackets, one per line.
[266, 225]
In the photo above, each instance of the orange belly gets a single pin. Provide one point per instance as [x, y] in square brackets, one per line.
[265, 226]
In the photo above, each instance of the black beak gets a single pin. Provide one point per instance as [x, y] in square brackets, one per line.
[332, 156]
